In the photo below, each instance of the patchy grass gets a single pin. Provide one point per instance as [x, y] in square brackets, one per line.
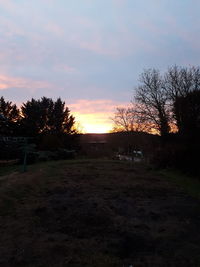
[4, 170]
[96, 213]
[189, 184]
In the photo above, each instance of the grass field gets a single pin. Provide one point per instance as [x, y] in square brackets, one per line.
[190, 184]
[96, 213]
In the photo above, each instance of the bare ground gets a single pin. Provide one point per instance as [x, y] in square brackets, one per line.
[96, 213]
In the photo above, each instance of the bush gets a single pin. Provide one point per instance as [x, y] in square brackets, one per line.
[50, 143]
[181, 156]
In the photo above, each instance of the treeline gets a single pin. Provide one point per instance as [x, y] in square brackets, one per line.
[35, 117]
[167, 104]
[47, 122]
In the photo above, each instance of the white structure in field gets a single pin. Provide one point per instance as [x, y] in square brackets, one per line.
[137, 156]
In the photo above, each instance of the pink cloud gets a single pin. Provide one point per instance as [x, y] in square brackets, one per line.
[7, 81]
[94, 42]
[92, 37]
[95, 106]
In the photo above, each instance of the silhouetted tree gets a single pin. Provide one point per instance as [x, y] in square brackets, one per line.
[152, 101]
[33, 120]
[62, 121]
[9, 118]
[128, 119]
[189, 114]
[178, 83]
[46, 116]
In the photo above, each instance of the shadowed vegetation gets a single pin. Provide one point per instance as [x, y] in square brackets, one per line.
[96, 213]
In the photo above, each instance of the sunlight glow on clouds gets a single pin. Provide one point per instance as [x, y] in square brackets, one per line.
[92, 49]
[95, 115]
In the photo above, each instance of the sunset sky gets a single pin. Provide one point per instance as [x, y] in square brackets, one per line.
[91, 52]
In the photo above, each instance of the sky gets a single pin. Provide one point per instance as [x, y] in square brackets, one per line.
[91, 52]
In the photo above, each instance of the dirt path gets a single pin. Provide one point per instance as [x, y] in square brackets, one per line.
[96, 214]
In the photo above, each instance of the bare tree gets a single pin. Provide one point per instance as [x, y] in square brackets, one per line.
[179, 82]
[156, 106]
[152, 101]
[128, 119]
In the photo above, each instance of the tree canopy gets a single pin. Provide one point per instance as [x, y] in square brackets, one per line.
[9, 118]
[36, 117]
[162, 103]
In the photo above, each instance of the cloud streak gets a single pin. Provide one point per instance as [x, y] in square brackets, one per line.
[88, 50]
[17, 82]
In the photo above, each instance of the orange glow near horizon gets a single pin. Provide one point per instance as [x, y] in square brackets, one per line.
[94, 116]
[93, 123]
[96, 128]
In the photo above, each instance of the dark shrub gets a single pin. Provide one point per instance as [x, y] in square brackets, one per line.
[50, 142]
[182, 155]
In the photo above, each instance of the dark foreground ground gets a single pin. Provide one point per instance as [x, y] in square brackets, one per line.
[103, 213]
